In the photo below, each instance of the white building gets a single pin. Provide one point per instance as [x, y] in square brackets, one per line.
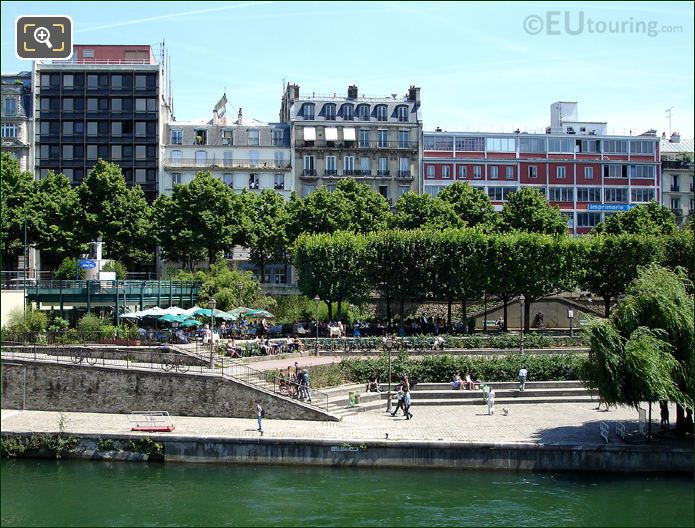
[677, 175]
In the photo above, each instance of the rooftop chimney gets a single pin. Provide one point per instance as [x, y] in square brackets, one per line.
[352, 92]
[675, 138]
[293, 91]
[239, 118]
[414, 94]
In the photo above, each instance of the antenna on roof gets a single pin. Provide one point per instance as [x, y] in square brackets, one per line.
[668, 113]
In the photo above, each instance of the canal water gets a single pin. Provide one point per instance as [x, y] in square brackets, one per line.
[81, 493]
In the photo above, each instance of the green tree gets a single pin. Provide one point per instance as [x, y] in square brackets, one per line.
[415, 211]
[471, 205]
[15, 200]
[203, 217]
[645, 351]
[646, 219]
[611, 263]
[528, 210]
[116, 213]
[267, 238]
[69, 270]
[368, 210]
[678, 251]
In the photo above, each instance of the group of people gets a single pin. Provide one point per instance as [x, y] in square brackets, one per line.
[295, 382]
[466, 383]
[404, 400]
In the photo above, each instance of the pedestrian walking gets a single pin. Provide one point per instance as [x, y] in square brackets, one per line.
[664, 414]
[399, 404]
[523, 373]
[259, 416]
[406, 405]
[491, 401]
[305, 384]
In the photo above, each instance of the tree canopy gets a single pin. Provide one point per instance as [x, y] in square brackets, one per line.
[645, 219]
[528, 210]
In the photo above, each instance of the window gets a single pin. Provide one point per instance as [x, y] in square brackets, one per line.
[589, 194]
[364, 167]
[201, 157]
[446, 172]
[9, 131]
[494, 172]
[67, 152]
[308, 110]
[500, 145]
[68, 173]
[381, 113]
[364, 138]
[140, 152]
[308, 189]
[588, 219]
[92, 152]
[477, 172]
[329, 111]
[509, 172]
[562, 173]
[152, 105]
[403, 138]
[532, 171]
[348, 110]
[615, 171]
[616, 195]
[92, 105]
[176, 136]
[117, 105]
[560, 145]
[174, 179]
[642, 195]
[363, 112]
[383, 167]
[116, 128]
[10, 106]
[140, 176]
[349, 165]
[532, 145]
[116, 152]
[403, 114]
[382, 136]
[430, 171]
[280, 158]
[463, 172]
[88, 54]
[68, 80]
[67, 128]
[140, 82]
[117, 82]
[140, 105]
[642, 171]
[253, 154]
[561, 194]
[253, 181]
[641, 147]
[278, 137]
[331, 166]
[615, 146]
[176, 157]
[402, 189]
[309, 166]
[500, 194]
[253, 136]
[140, 129]
[675, 203]
[469, 144]
[588, 173]
[92, 82]
[439, 143]
[404, 168]
[279, 182]
[588, 145]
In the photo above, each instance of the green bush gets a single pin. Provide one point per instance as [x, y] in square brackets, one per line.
[68, 269]
[21, 321]
[90, 323]
[118, 267]
[58, 324]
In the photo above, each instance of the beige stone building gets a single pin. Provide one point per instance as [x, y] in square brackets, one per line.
[17, 122]
[677, 175]
[375, 140]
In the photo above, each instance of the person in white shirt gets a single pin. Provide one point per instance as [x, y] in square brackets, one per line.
[523, 373]
[491, 402]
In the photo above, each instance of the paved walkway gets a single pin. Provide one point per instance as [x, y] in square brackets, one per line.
[566, 424]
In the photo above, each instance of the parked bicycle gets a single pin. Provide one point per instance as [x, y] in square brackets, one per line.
[175, 363]
[84, 355]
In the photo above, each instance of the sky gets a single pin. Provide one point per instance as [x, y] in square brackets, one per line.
[491, 66]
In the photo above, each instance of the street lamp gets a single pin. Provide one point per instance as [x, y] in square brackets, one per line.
[570, 315]
[211, 304]
[317, 300]
[521, 303]
[389, 345]
[240, 287]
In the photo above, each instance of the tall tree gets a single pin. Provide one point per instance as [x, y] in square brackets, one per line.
[646, 219]
[116, 213]
[369, 210]
[267, 238]
[471, 205]
[319, 212]
[528, 210]
[679, 251]
[415, 211]
[15, 199]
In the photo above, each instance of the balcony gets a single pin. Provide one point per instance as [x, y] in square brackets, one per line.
[675, 188]
[227, 164]
[383, 173]
[348, 172]
[677, 164]
[363, 173]
[309, 172]
[404, 174]
[397, 145]
[330, 172]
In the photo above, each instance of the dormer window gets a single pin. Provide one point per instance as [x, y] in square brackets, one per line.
[381, 113]
[308, 111]
[348, 110]
[363, 112]
[403, 114]
[329, 111]
[201, 137]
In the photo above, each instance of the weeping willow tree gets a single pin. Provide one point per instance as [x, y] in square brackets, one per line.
[644, 352]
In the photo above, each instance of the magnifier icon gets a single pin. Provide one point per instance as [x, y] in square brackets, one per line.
[42, 35]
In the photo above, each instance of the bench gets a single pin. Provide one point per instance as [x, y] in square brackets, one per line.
[151, 421]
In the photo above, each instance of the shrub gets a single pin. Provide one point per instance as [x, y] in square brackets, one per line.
[90, 323]
[21, 321]
[118, 267]
[68, 270]
[58, 324]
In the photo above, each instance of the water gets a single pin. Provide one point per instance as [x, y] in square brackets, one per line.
[81, 493]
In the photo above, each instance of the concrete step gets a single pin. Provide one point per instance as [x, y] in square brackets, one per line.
[499, 402]
[500, 393]
[506, 385]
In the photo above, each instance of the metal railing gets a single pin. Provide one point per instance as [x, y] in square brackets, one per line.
[227, 164]
[361, 144]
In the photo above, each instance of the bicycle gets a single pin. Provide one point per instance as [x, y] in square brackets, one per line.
[175, 363]
[86, 356]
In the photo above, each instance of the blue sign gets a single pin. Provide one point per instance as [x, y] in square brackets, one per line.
[88, 264]
[611, 207]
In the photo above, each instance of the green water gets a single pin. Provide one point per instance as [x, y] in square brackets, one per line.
[80, 493]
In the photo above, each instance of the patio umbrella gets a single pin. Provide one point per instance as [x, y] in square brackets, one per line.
[151, 312]
[174, 310]
[219, 314]
[260, 313]
[240, 311]
[191, 311]
[191, 322]
[169, 318]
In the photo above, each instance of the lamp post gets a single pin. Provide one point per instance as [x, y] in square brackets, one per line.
[521, 304]
[389, 345]
[317, 300]
[211, 304]
[240, 287]
[570, 316]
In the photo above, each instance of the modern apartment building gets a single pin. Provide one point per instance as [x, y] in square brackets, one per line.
[244, 153]
[577, 165]
[375, 140]
[108, 102]
[17, 123]
[677, 175]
